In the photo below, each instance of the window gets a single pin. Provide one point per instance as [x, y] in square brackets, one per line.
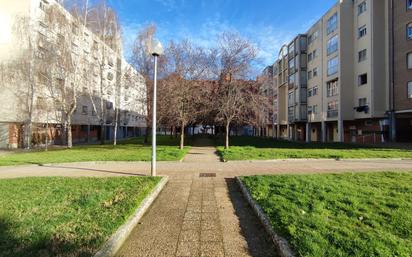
[362, 31]
[315, 53]
[310, 57]
[313, 109]
[409, 31]
[409, 60]
[109, 105]
[310, 92]
[362, 55]
[292, 64]
[309, 74]
[332, 45]
[361, 8]
[315, 90]
[332, 24]
[333, 66]
[313, 37]
[43, 5]
[332, 88]
[409, 4]
[333, 109]
[292, 79]
[363, 102]
[363, 79]
[41, 103]
[84, 110]
[315, 72]
[75, 29]
[291, 49]
[110, 62]
[291, 98]
[410, 89]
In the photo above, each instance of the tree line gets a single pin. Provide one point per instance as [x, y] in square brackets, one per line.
[203, 86]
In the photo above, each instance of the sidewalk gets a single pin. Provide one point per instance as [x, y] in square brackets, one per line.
[201, 216]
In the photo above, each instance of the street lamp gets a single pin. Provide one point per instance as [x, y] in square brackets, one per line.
[156, 50]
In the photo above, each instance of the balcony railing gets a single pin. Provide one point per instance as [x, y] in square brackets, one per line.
[333, 113]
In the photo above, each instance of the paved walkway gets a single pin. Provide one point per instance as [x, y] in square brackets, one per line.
[199, 216]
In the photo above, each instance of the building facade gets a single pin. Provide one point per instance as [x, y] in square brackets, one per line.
[400, 34]
[338, 76]
[51, 64]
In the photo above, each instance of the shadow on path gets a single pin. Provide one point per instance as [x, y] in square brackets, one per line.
[95, 170]
[258, 240]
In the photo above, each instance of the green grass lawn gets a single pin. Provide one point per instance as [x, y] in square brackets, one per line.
[254, 148]
[65, 216]
[359, 215]
[129, 150]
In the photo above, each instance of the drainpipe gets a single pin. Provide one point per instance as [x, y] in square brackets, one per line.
[392, 114]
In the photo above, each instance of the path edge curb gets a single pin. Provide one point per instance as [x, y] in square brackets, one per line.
[280, 243]
[115, 242]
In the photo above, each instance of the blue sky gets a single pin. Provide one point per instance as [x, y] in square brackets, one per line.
[267, 23]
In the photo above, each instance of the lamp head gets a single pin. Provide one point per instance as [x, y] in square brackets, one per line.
[156, 48]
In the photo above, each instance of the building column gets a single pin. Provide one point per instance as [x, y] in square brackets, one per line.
[278, 131]
[323, 131]
[308, 135]
[341, 132]
[392, 126]
[88, 133]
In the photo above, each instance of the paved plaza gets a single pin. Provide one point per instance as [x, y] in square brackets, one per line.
[201, 211]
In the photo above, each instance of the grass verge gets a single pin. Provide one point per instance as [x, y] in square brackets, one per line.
[129, 150]
[65, 216]
[252, 148]
[361, 215]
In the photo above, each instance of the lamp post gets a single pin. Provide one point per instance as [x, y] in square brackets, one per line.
[156, 50]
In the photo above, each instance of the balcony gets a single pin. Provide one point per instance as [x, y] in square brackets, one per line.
[333, 114]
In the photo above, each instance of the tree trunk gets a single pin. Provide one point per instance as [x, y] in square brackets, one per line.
[27, 134]
[227, 135]
[115, 135]
[182, 138]
[146, 135]
[102, 134]
[47, 132]
[69, 133]
[115, 128]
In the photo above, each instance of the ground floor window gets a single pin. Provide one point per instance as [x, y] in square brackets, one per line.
[410, 89]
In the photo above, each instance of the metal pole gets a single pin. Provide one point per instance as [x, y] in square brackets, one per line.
[154, 110]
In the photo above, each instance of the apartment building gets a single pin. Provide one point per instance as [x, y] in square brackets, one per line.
[337, 77]
[297, 87]
[268, 126]
[400, 13]
[280, 76]
[45, 67]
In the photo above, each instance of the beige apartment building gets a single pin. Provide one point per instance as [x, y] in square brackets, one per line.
[400, 34]
[337, 86]
[45, 67]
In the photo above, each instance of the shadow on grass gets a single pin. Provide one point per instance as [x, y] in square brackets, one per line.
[258, 241]
[47, 246]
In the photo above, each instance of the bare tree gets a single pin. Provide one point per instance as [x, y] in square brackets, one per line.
[186, 65]
[103, 22]
[236, 55]
[143, 63]
[22, 70]
[68, 73]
